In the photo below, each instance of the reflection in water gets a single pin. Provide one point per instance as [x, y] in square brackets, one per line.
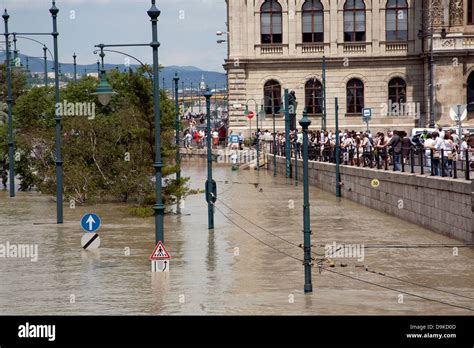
[208, 275]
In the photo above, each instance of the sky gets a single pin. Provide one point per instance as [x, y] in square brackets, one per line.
[186, 29]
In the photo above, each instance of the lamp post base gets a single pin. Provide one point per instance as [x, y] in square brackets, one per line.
[308, 288]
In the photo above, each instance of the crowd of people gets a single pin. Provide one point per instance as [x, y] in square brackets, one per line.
[195, 133]
[437, 151]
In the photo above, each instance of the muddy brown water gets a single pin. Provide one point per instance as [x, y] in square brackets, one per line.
[225, 271]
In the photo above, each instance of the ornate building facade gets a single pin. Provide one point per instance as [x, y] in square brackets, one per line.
[376, 52]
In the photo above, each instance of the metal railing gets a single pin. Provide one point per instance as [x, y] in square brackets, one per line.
[415, 159]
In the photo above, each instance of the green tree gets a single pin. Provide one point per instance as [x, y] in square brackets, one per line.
[108, 156]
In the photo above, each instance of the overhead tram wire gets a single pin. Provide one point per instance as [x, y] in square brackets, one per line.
[258, 185]
[418, 284]
[397, 290]
[413, 246]
[264, 229]
[254, 237]
[341, 274]
[348, 276]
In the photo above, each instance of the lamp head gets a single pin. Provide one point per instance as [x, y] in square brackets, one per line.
[176, 78]
[104, 91]
[305, 122]
[54, 10]
[5, 15]
[153, 12]
[208, 93]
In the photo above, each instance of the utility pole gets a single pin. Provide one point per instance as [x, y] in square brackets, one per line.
[308, 286]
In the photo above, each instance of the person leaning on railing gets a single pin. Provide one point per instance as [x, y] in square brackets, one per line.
[429, 146]
[381, 146]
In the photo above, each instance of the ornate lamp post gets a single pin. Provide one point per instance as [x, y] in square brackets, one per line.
[11, 163]
[75, 67]
[104, 92]
[58, 160]
[178, 121]
[45, 49]
[308, 287]
[211, 192]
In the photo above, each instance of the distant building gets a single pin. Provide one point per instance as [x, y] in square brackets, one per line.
[377, 54]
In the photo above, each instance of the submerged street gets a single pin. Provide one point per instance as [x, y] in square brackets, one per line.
[239, 268]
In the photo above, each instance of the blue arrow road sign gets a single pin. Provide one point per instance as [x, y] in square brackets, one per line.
[90, 222]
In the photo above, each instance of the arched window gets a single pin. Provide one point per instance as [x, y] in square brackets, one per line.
[355, 96]
[354, 21]
[396, 21]
[397, 91]
[470, 92]
[272, 93]
[313, 21]
[314, 97]
[271, 22]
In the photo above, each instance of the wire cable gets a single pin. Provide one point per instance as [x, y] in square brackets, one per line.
[418, 284]
[411, 246]
[397, 290]
[266, 230]
[256, 238]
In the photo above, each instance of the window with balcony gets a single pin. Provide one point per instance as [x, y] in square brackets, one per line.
[355, 96]
[397, 91]
[272, 96]
[271, 22]
[313, 21]
[354, 21]
[314, 97]
[396, 20]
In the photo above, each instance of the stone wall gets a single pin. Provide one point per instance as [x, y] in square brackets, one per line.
[442, 205]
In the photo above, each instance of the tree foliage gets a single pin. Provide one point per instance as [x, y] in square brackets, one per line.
[109, 156]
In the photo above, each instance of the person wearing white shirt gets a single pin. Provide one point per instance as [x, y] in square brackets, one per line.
[429, 145]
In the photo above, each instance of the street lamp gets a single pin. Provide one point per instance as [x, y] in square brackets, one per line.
[107, 92]
[58, 160]
[178, 154]
[104, 91]
[211, 188]
[75, 67]
[308, 287]
[11, 166]
[45, 49]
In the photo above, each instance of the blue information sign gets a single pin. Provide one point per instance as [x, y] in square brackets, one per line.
[367, 114]
[90, 222]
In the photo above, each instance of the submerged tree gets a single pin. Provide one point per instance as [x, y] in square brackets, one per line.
[108, 152]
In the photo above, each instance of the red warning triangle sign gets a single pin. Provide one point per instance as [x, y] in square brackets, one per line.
[160, 253]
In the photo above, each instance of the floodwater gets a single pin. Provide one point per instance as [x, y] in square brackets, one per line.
[227, 271]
